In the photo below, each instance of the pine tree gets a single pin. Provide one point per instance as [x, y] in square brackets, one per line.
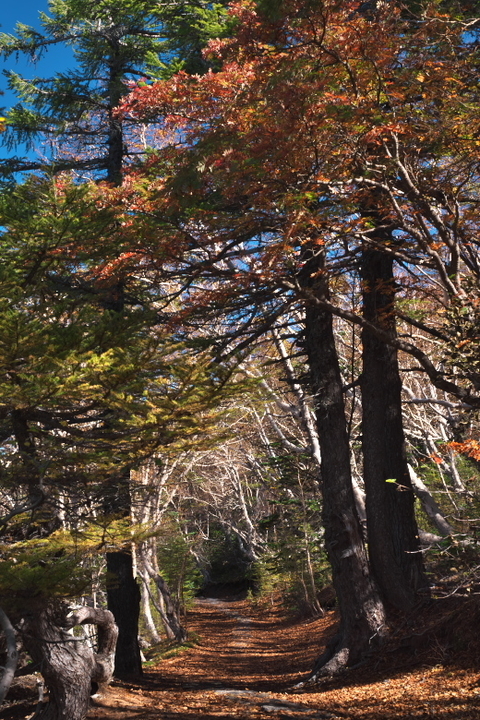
[86, 392]
[114, 43]
[72, 115]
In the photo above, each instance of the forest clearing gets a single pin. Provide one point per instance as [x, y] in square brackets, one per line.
[247, 657]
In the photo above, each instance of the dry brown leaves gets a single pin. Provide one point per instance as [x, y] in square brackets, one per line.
[249, 657]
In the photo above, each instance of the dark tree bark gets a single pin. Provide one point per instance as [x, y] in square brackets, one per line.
[123, 595]
[116, 90]
[68, 664]
[362, 624]
[391, 525]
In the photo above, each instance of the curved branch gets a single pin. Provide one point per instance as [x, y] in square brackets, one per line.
[107, 639]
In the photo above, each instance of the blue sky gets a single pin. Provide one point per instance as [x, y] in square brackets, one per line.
[56, 59]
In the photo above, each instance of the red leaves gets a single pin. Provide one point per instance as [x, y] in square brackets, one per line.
[317, 101]
[117, 267]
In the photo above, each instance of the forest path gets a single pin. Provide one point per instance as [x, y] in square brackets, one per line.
[248, 657]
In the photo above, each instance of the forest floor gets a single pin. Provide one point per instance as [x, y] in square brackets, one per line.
[248, 656]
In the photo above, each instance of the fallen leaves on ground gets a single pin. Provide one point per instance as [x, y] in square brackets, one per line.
[250, 655]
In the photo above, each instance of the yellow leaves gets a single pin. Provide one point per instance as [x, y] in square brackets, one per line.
[109, 534]
[60, 564]
[3, 124]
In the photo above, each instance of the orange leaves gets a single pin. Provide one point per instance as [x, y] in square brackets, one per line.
[307, 101]
[383, 133]
[293, 91]
[470, 448]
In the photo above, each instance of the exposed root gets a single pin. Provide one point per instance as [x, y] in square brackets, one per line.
[340, 654]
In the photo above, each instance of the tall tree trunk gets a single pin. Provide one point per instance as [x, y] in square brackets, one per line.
[391, 525]
[67, 664]
[123, 593]
[362, 614]
[123, 596]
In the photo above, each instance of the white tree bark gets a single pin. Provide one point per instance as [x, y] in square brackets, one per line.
[147, 611]
[429, 504]
[12, 655]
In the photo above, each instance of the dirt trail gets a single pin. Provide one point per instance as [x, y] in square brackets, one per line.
[246, 659]
[249, 656]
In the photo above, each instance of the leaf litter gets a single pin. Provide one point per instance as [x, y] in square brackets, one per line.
[250, 655]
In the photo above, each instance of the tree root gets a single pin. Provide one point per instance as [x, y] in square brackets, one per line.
[340, 654]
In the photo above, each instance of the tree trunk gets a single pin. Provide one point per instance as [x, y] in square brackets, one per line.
[170, 612]
[116, 90]
[107, 636]
[393, 541]
[67, 664]
[361, 610]
[430, 505]
[12, 655]
[123, 595]
[147, 612]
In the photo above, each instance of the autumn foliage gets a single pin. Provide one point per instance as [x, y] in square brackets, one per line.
[311, 176]
[319, 110]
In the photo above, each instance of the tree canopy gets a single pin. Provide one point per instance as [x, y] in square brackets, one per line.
[232, 190]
